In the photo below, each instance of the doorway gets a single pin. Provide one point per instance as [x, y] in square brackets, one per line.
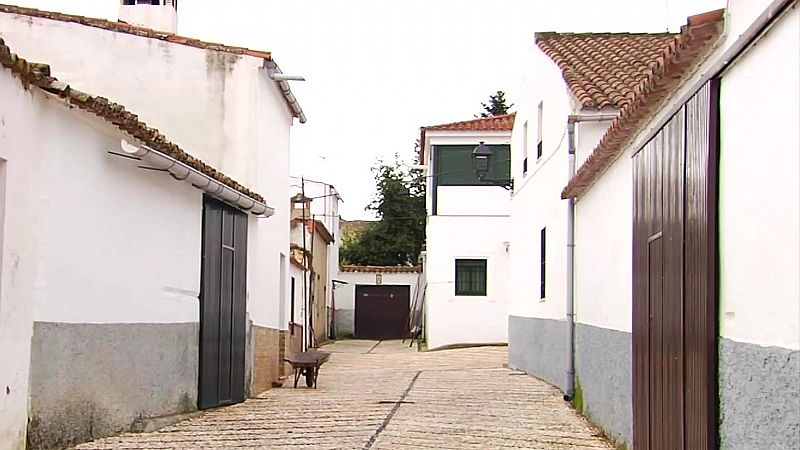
[223, 289]
[674, 276]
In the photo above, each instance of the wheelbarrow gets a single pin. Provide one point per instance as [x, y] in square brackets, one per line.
[307, 364]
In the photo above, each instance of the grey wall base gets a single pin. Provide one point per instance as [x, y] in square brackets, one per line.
[538, 347]
[603, 368]
[602, 365]
[759, 397]
[345, 323]
[94, 380]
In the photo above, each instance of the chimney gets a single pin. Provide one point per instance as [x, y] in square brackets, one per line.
[159, 15]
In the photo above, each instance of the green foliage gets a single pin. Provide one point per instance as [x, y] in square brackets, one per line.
[577, 398]
[397, 237]
[497, 105]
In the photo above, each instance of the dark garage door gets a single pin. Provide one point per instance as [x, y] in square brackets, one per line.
[222, 305]
[382, 311]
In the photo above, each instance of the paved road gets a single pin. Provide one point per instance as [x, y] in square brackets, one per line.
[385, 396]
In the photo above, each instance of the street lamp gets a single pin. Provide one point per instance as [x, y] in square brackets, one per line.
[482, 161]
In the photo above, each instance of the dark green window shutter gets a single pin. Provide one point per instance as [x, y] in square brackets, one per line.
[453, 165]
[470, 277]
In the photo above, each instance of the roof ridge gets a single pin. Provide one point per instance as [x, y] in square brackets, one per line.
[124, 27]
[498, 117]
[39, 75]
[556, 34]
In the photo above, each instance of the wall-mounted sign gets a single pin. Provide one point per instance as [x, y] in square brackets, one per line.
[378, 278]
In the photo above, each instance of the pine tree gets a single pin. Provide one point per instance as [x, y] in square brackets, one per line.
[497, 105]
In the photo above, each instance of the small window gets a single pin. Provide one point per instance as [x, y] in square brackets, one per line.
[543, 239]
[470, 277]
[539, 112]
[525, 148]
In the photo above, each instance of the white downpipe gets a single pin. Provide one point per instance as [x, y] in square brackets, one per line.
[570, 391]
[183, 172]
[571, 121]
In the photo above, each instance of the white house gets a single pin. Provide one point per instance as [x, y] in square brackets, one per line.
[108, 307]
[467, 233]
[684, 336]
[376, 302]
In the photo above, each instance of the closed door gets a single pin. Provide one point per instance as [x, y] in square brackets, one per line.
[674, 271]
[222, 305]
[382, 311]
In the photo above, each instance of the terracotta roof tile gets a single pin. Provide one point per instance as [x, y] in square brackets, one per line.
[681, 56]
[381, 269]
[39, 75]
[122, 27]
[603, 69]
[504, 122]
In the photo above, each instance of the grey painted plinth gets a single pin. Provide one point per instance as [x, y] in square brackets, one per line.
[345, 322]
[759, 397]
[603, 367]
[93, 380]
[538, 347]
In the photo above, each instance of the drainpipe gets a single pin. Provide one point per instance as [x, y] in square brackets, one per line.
[569, 392]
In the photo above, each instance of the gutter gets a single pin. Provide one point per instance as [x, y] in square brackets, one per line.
[159, 161]
[283, 85]
[569, 392]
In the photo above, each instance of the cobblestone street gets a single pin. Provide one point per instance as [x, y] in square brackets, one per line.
[386, 396]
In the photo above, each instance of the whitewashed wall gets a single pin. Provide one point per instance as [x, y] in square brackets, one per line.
[452, 319]
[536, 202]
[21, 216]
[223, 109]
[603, 251]
[77, 247]
[471, 222]
[760, 192]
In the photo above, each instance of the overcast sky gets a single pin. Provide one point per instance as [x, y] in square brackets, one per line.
[377, 70]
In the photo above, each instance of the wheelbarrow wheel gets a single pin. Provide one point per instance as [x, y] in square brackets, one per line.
[310, 376]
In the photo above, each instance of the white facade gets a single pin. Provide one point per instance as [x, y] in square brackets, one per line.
[94, 263]
[222, 107]
[470, 222]
[89, 238]
[603, 213]
[536, 202]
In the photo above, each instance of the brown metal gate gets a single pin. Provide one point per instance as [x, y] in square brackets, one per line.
[382, 311]
[674, 276]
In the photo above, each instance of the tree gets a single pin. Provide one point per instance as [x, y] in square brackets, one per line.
[396, 239]
[497, 105]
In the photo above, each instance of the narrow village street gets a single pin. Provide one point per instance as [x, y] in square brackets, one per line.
[383, 395]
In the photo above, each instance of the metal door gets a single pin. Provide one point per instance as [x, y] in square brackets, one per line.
[382, 311]
[674, 272]
[222, 305]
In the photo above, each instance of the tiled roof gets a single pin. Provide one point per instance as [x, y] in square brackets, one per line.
[680, 57]
[122, 27]
[503, 122]
[381, 269]
[113, 113]
[603, 69]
